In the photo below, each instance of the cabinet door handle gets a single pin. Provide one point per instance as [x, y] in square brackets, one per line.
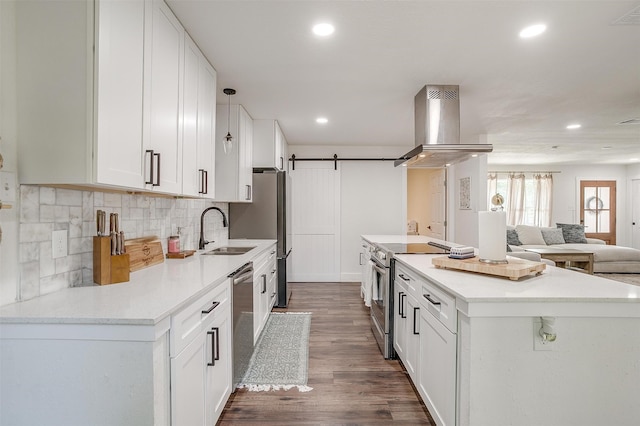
[264, 284]
[404, 313]
[157, 183]
[248, 192]
[414, 320]
[400, 294]
[206, 182]
[150, 181]
[215, 346]
[281, 163]
[361, 259]
[430, 299]
[203, 181]
[213, 306]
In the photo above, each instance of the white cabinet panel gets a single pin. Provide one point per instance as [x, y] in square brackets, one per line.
[268, 145]
[187, 384]
[234, 170]
[198, 123]
[437, 371]
[163, 87]
[119, 67]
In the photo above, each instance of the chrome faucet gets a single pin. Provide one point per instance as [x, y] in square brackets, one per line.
[202, 241]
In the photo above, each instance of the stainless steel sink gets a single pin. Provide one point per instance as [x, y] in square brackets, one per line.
[229, 251]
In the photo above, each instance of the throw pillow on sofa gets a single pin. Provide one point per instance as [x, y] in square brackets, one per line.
[572, 233]
[512, 238]
[552, 236]
[530, 235]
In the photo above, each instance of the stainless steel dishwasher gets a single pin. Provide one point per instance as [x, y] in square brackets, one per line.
[242, 297]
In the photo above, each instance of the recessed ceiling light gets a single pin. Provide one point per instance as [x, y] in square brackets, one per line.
[422, 155]
[634, 159]
[322, 120]
[574, 126]
[474, 155]
[607, 147]
[324, 29]
[533, 30]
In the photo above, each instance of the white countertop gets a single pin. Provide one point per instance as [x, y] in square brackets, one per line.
[404, 239]
[151, 295]
[554, 285]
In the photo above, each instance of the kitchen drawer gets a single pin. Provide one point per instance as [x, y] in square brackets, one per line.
[265, 259]
[405, 275]
[190, 321]
[440, 303]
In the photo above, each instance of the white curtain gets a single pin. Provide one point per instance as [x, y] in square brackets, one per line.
[515, 199]
[543, 190]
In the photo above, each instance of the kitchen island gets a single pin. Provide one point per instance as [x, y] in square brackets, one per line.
[127, 353]
[482, 359]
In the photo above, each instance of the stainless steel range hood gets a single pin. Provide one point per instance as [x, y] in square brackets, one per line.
[437, 130]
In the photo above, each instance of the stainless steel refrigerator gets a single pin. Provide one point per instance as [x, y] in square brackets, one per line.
[267, 217]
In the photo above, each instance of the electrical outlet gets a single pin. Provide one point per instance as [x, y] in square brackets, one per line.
[538, 344]
[59, 243]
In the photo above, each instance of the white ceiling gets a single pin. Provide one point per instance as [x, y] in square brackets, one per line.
[516, 94]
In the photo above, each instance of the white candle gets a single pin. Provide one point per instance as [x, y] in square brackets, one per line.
[492, 236]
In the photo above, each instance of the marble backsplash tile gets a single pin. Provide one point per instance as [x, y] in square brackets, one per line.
[44, 210]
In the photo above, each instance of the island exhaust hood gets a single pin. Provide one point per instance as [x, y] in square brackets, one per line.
[437, 130]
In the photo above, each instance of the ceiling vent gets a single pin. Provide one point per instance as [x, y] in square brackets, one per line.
[630, 18]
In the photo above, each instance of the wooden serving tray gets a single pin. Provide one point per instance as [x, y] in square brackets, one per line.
[514, 270]
[180, 255]
[144, 252]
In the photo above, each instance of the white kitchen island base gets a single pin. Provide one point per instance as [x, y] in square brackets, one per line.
[483, 362]
[589, 376]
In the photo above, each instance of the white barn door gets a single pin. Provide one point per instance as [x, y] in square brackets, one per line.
[315, 197]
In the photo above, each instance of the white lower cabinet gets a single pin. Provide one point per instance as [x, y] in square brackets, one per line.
[426, 342]
[264, 292]
[437, 372]
[201, 359]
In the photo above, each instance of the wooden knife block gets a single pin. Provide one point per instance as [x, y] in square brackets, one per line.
[108, 269]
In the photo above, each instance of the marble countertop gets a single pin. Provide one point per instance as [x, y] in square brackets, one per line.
[554, 286]
[150, 296]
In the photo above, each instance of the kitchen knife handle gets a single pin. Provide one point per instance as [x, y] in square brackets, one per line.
[150, 181]
[112, 224]
[114, 244]
[123, 249]
[116, 224]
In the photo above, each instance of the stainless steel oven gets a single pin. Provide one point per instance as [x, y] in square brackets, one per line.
[382, 288]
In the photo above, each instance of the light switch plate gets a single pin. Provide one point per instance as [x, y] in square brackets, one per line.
[59, 243]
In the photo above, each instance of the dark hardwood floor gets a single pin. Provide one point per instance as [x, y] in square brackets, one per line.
[352, 383]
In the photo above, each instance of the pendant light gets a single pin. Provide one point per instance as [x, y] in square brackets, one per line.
[227, 143]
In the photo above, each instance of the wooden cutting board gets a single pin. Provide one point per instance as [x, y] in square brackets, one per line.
[514, 270]
[144, 252]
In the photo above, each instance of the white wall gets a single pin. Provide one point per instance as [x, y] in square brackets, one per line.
[566, 192]
[8, 149]
[463, 226]
[373, 197]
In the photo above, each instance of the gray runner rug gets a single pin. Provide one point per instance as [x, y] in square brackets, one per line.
[281, 356]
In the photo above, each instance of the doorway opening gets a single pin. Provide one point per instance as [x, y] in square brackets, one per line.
[427, 202]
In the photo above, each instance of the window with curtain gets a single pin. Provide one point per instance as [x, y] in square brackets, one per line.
[527, 197]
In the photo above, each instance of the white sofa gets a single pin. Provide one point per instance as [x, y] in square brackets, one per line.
[606, 258]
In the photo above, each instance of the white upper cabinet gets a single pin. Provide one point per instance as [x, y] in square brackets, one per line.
[269, 145]
[163, 90]
[107, 94]
[234, 169]
[198, 153]
[80, 112]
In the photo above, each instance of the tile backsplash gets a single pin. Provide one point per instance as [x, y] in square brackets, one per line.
[44, 210]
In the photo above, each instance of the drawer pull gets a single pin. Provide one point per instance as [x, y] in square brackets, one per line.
[428, 297]
[213, 306]
[404, 278]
